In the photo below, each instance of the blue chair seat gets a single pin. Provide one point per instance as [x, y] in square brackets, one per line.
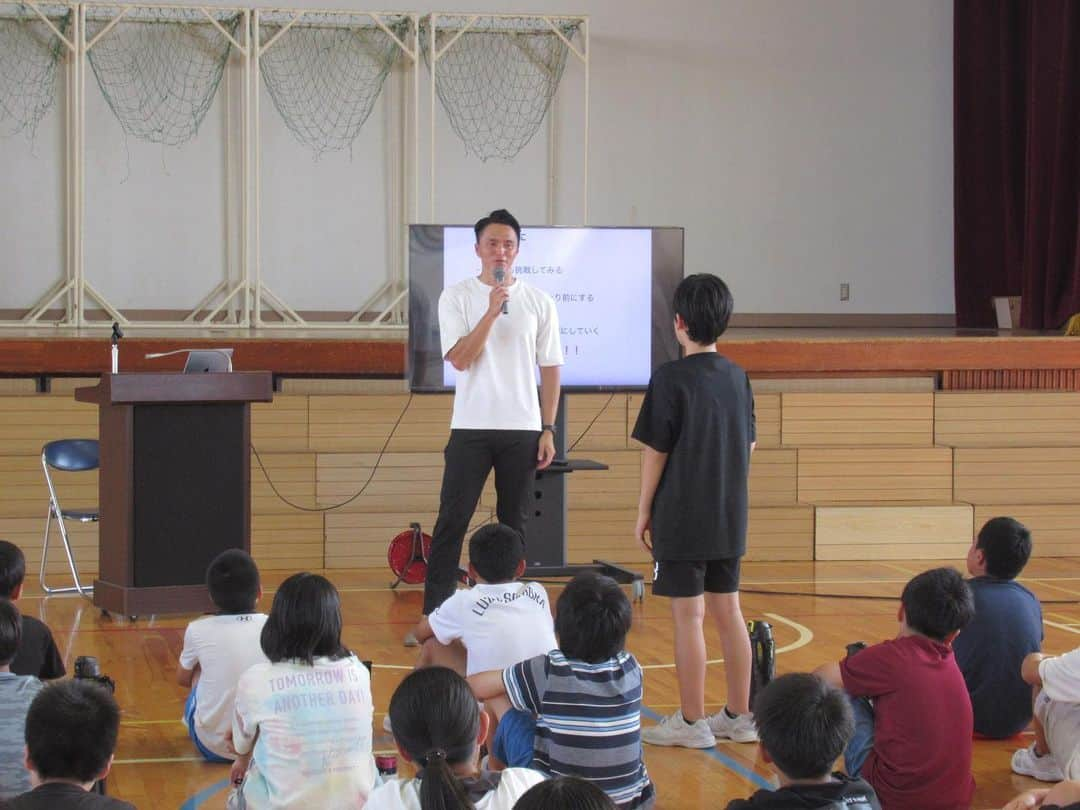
[70, 456]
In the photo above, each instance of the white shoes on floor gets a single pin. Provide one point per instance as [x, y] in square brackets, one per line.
[1045, 768]
[673, 730]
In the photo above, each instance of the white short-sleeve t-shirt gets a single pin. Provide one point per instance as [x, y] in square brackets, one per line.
[223, 647]
[405, 794]
[499, 625]
[498, 391]
[314, 734]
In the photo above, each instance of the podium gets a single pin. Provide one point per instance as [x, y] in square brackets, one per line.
[174, 484]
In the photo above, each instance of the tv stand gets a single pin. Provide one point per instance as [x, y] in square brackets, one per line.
[545, 532]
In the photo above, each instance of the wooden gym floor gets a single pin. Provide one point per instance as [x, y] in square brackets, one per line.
[815, 609]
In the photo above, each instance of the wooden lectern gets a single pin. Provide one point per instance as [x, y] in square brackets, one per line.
[175, 484]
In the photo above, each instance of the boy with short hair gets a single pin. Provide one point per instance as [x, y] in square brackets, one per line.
[1007, 627]
[697, 425]
[497, 622]
[576, 711]
[804, 725]
[913, 743]
[219, 649]
[38, 654]
[16, 694]
[71, 732]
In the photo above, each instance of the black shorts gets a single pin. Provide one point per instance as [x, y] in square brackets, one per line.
[688, 578]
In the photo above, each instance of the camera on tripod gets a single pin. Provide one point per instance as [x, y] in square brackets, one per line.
[87, 668]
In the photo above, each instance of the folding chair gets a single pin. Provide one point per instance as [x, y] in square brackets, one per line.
[67, 455]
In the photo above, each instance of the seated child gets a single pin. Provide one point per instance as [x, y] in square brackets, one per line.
[804, 725]
[38, 655]
[1055, 754]
[439, 727]
[1006, 628]
[576, 711]
[913, 744]
[16, 694]
[302, 726]
[218, 649]
[565, 793]
[1062, 796]
[71, 732]
[499, 621]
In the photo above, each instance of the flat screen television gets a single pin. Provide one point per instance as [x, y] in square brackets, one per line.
[612, 288]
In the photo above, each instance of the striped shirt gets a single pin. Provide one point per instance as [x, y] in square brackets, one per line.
[588, 721]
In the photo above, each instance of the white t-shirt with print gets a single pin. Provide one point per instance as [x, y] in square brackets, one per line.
[405, 794]
[499, 625]
[223, 647]
[498, 390]
[314, 734]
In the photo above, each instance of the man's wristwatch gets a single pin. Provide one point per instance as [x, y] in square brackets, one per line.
[548, 427]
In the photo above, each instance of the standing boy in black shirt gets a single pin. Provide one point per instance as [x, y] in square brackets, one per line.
[697, 425]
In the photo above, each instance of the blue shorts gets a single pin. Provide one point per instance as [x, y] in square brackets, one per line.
[514, 738]
[189, 721]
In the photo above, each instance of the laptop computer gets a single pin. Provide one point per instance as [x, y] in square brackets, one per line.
[200, 361]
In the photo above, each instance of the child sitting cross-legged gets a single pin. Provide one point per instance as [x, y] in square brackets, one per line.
[804, 725]
[576, 711]
[438, 726]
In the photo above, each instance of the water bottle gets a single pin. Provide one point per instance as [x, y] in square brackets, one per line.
[763, 656]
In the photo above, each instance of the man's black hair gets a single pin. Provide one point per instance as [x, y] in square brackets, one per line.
[1006, 546]
[71, 730]
[233, 581]
[12, 568]
[592, 618]
[704, 303]
[10, 631]
[804, 724]
[495, 551]
[498, 217]
[937, 603]
[304, 621]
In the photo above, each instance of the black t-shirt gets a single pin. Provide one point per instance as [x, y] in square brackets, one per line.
[63, 796]
[37, 654]
[843, 793]
[700, 411]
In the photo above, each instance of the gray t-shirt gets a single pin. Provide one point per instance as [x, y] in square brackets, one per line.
[16, 693]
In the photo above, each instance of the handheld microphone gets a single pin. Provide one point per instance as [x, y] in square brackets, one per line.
[500, 275]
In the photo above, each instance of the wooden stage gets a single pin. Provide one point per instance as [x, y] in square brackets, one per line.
[965, 359]
[815, 610]
[880, 451]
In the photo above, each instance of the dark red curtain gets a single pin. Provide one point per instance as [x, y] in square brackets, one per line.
[1016, 125]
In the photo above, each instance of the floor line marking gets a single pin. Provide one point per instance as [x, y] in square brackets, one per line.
[203, 795]
[1069, 591]
[805, 636]
[733, 765]
[1064, 627]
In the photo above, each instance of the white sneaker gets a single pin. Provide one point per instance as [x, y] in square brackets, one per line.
[389, 729]
[1045, 768]
[673, 730]
[410, 640]
[740, 729]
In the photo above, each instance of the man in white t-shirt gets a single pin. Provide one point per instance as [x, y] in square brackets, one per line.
[219, 649]
[495, 330]
[498, 622]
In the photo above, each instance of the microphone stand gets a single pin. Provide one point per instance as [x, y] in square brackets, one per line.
[117, 333]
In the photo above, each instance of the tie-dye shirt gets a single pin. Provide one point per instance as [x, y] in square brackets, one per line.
[311, 731]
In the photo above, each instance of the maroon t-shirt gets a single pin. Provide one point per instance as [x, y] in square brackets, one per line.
[922, 723]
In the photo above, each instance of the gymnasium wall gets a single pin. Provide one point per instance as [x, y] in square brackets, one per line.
[801, 144]
[906, 473]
